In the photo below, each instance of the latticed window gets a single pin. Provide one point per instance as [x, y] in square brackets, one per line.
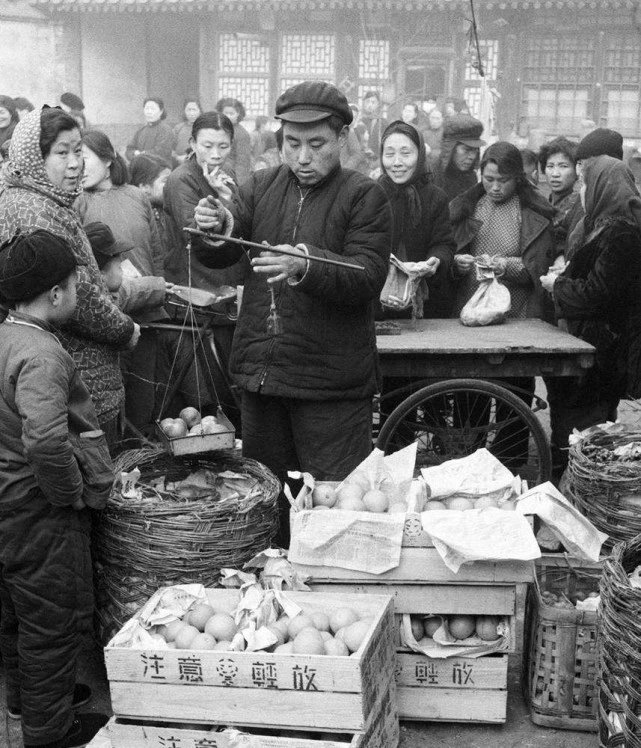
[243, 64]
[373, 65]
[621, 85]
[558, 75]
[306, 57]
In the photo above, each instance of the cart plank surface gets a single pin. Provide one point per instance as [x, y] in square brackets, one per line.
[444, 348]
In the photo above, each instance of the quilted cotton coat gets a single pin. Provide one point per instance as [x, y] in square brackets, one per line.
[98, 329]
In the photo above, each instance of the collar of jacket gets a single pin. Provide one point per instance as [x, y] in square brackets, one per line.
[466, 227]
[321, 183]
[21, 317]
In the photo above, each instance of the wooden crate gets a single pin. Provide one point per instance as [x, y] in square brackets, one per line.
[421, 584]
[457, 689]
[300, 691]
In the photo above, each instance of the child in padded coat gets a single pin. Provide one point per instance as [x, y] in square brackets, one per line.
[54, 463]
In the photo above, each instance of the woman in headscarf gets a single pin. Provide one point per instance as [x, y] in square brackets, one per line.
[42, 181]
[421, 226]
[598, 298]
[8, 118]
[505, 217]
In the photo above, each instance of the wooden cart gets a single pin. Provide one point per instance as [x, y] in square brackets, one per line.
[457, 399]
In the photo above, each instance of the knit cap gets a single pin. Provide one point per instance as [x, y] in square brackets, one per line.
[31, 264]
[601, 142]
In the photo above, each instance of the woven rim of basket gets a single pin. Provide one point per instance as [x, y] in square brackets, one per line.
[155, 463]
[619, 646]
[597, 487]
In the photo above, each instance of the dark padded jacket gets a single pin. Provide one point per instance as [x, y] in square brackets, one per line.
[599, 295]
[327, 347]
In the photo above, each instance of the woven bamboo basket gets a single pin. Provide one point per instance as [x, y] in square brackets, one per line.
[559, 678]
[604, 488]
[619, 650]
[166, 538]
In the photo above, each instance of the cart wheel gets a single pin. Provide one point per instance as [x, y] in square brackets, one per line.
[454, 418]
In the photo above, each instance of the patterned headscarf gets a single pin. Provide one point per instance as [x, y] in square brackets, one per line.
[26, 166]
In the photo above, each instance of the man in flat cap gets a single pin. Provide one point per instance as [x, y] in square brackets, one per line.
[304, 351]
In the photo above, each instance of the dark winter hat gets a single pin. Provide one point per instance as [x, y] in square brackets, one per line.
[462, 128]
[313, 101]
[601, 142]
[6, 102]
[103, 244]
[31, 264]
[72, 101]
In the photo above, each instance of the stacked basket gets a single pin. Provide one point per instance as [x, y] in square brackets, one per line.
[162, 537]
[619, 650]
[605, 485]
[560, 677]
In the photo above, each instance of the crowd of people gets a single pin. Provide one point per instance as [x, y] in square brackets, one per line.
[92, 244]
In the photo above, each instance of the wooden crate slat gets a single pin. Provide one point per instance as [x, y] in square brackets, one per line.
[425, 565]
[292, 709]
[452, 705]
[426, 673]
[432, 598]
[259, 670]
[382, 731]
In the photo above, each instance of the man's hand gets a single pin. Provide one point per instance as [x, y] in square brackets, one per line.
[209, 215]
[548, 281]
[133, 340]
[463, 263]
[280, 267]
[431, 266]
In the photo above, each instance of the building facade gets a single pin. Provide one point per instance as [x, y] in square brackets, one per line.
[551, 63]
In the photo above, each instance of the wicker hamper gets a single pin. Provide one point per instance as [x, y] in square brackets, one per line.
[166, 538]
[619, 650]
[605, 487]
[559, 678]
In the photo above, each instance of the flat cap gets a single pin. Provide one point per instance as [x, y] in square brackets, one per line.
[601, 142]
[464, 129]
[313, 101]
[31, 264]
[103, 243]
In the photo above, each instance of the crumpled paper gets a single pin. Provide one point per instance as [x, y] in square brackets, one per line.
[487, 534]
[277, 572]
[443, 644]
[360, 541]
[256, 610]
[579, 536]
[478, 474]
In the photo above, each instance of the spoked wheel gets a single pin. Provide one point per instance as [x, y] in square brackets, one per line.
[454, 418]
